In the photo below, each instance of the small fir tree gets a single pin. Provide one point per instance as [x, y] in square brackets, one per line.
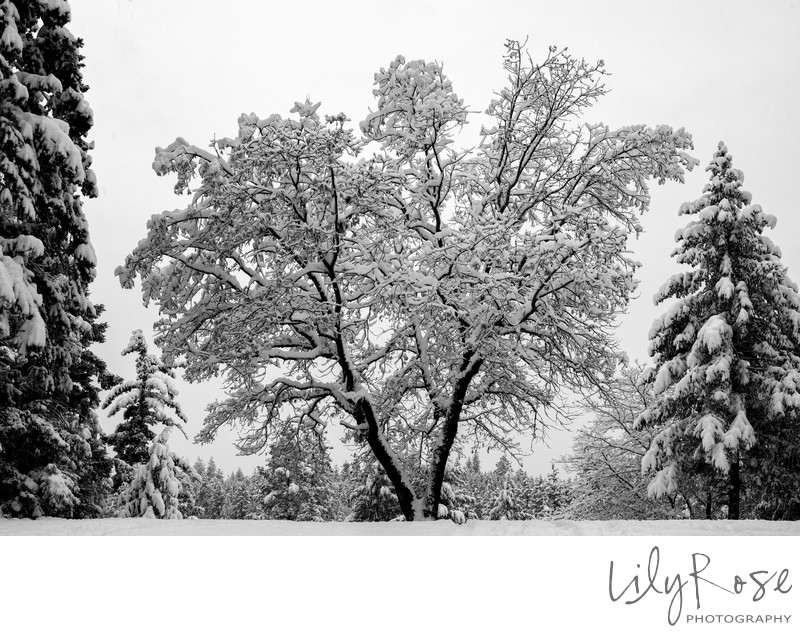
[372, 497]
[505, 506]
[458, 504]
[212, 496]
[156, 487]
[146, 402]
[298, 477]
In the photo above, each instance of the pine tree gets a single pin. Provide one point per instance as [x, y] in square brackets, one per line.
[726, 352]
[237, 496]
[372, 497]
[187, 498]
[298, 477]
[524, 485]
[503, 469]
[339, 502]
[212, 496]
[145, 403]
[157, 484]
[556, 494]
[52, 450]
[473, 463]
[505, 506]
[538, 498]
[458, 502]
[476, 486]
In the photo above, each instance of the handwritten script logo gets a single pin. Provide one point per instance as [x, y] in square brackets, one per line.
[754, 584]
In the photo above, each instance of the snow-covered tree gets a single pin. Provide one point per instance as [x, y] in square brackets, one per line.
[473, 463]
[503, 469]
[505, 506]
[410, 290]
[237, 498]
[556, 495]
[298, 477]
[727, 352]
[211, 496]
[157, 484]
[146, 402]
[372, 497]
[526, 493]
[606, 458]
[53, 458]
[339, 498]
[458, 502]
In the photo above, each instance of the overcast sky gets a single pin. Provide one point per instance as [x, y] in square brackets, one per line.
[157, 69]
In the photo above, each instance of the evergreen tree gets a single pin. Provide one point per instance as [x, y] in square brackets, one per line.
[145, 403]
[505, 506]
[298, 477]
[200, 466]
[503, 469]
[476, 489]
[473, 463]
[457, 504]
[237, 496]
[52, 450]
[538, 498]
[725, 354]
[157, 484]
[212, 495]
[524, 485]
[187, 498]
[340, 507]
[372, 497]
[556, 494]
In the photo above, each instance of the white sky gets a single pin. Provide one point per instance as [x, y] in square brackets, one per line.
[157, 69]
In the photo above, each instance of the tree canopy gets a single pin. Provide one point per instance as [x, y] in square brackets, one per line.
[415, 292]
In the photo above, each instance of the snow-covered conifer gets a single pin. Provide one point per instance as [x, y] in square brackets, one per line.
[505, 506]
[458, 502]
[372, 497]
[211, 496]
[156, 487]
[726, 352]
[146, 402]
[298, 477]
[54, 459]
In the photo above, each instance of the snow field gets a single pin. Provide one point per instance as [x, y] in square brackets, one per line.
[49, 526]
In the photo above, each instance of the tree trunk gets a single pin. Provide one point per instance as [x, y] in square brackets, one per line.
[405, 494]
[412, 507]
[441, 453]
[734, 490]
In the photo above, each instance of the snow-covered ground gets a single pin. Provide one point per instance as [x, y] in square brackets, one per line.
[391, 585]
[54, 526]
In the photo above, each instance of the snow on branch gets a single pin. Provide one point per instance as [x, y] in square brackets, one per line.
[416, 291]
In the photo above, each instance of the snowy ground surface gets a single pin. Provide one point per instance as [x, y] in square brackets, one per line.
[54, 526]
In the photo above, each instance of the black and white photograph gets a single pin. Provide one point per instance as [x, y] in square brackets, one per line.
[399, 316]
